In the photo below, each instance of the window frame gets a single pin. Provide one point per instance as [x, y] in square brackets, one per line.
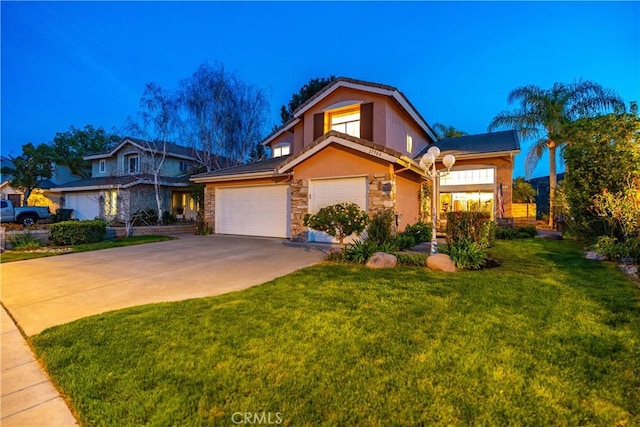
[128, 159]
[102, 166]
[279, 148]
[330, 114]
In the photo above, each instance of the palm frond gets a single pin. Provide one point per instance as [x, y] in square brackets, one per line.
[534, 154]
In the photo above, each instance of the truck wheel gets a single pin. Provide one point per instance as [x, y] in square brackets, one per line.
[28, 220]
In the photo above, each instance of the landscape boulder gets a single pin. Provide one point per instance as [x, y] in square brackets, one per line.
[382, 260]
[440, 262]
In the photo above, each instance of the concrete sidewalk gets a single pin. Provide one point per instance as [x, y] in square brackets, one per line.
[28, 397]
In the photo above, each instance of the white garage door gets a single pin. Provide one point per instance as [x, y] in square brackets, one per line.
[253, 211]
[326, 192]
[84, 205]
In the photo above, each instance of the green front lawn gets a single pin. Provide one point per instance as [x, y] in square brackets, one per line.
[548, 338]
[47, 251]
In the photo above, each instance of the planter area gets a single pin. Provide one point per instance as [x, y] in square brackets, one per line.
[112, 232]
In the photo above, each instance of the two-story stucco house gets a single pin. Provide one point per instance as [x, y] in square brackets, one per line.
[122, 181]
[360, 142]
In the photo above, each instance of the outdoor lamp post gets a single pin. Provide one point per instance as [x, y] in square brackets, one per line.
[428, 163]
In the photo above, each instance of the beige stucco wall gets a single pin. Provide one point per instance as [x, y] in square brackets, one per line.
[407, 201]
[398, 124]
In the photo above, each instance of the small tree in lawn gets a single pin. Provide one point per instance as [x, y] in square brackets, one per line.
[339, 221]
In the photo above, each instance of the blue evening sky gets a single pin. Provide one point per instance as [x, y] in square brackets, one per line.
[79, 63]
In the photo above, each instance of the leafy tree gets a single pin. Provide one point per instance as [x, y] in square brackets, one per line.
[339, 221]
[220, 114]
[443, 131]
[29, 168]
[314, 86]
[156, 122]
[545, 114]
[523, 192]
[70, 147]
[603, 162]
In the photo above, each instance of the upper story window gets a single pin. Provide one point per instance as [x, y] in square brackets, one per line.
[409, 144]
[184, 166]
[132, 163]
[468, 177]
[345, 120]
[103, 166]
[281, 150]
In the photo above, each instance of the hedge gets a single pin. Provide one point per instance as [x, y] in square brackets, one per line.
[77, 232]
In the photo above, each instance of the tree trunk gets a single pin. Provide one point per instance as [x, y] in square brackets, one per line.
[553, 181]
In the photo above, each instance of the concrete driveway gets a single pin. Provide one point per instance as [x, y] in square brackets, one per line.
[51, 291]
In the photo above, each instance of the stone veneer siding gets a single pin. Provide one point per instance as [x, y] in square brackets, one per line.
[210, 207]
[382, 195]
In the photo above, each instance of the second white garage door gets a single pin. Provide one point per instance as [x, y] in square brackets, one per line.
[325, 192]
[253, 211]
[84, 205]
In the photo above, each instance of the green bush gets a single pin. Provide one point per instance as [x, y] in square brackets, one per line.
[515, 233]
[168, 219]
[25, 242]
[465, 254]
[144, 217]
[404, 241]
[476, 226]
[360, 251]
[411, 259]
[381, 227]
[420, 231]
[339, 221]
[615, 250]
[77, 232]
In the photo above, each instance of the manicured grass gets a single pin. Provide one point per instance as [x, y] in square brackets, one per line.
[11, 256]
[548, 338]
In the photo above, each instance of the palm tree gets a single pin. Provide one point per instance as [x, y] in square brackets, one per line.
[544, 115]
[523, 192]
[443, 131]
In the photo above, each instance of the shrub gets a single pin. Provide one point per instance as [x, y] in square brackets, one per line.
[25, 242]
[465, 254]
[144, 217]
[615, 250]
[202, 228]
[339, 221]
[515, 233]
[420, 231]
[359, 251]
[404, 241]
[476, 226]
[381, 227]
[411, 259]
[168, 219]
[77, 232]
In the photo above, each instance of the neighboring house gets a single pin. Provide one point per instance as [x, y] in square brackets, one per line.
[122, 180]
[42, 195]
[353, 141]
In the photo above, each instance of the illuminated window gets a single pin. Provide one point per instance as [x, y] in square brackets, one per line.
[468, 177]
[409, 144]
[111, 205]
[345, 120]
[476, 201]
[281, 150]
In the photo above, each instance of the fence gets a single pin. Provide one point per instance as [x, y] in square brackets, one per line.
[524, 214]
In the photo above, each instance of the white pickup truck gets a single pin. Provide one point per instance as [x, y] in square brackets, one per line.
[26, 216]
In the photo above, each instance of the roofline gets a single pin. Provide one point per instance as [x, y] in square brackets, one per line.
[369, 87]
[373, 152]
[237, 176]
[108, 186]
[463, 156]
[131, 140]
[280, 131]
